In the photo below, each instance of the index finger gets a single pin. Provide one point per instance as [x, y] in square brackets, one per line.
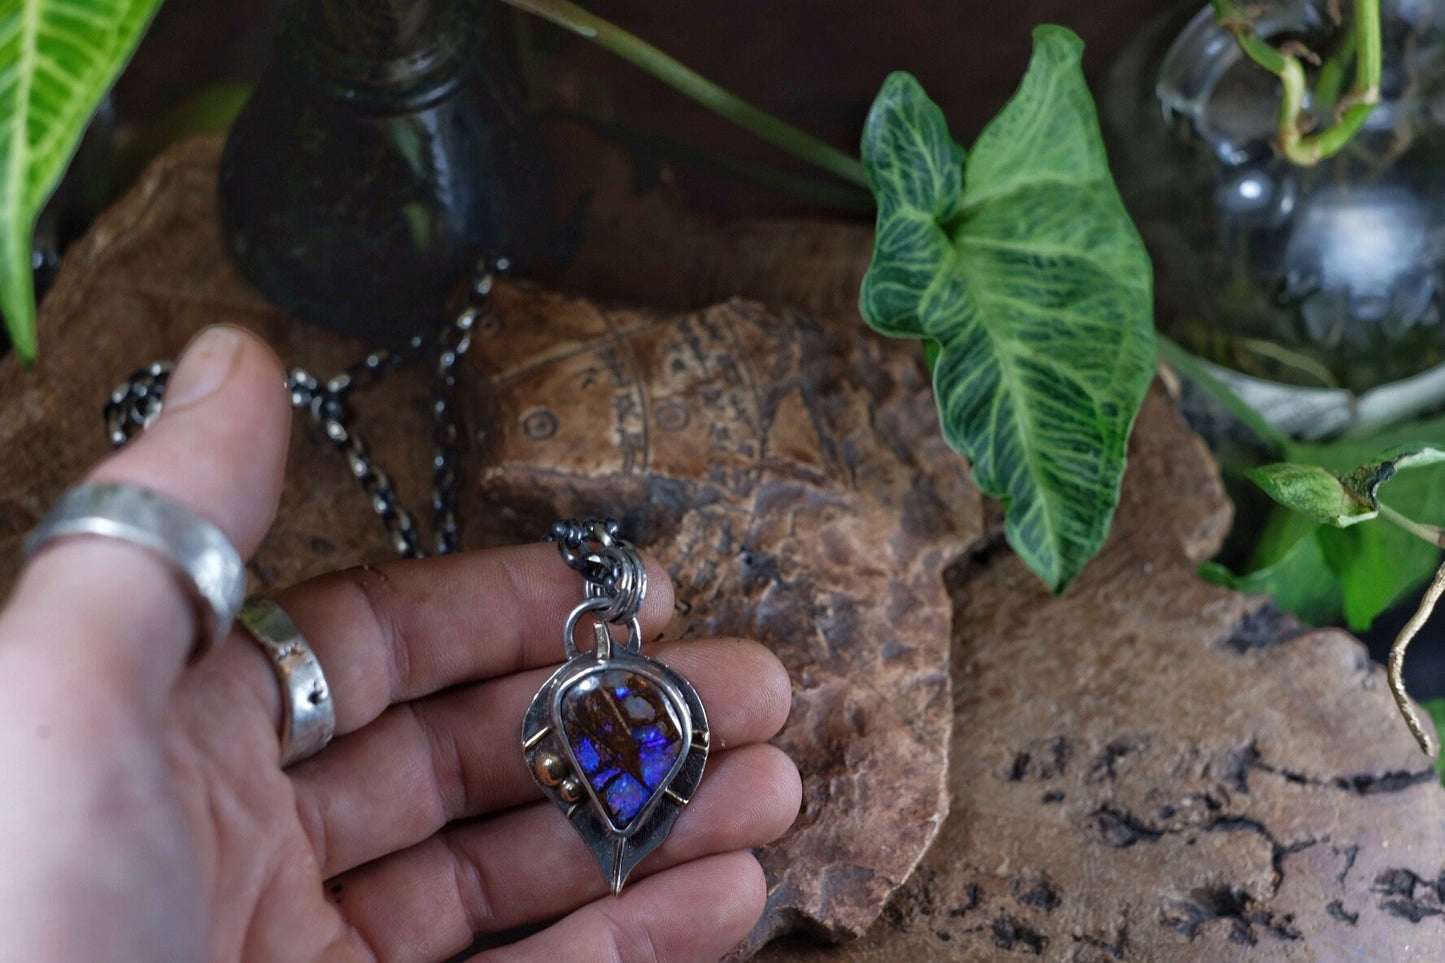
[391, 633]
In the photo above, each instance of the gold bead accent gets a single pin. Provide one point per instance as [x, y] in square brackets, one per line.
[571, 789]
[550, 768]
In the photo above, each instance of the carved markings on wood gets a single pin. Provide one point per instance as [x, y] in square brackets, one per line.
[790, 476]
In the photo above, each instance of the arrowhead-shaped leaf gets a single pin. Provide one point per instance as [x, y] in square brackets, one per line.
[57, 59]
[1025, 269]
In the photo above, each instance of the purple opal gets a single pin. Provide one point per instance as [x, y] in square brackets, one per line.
[622, 733]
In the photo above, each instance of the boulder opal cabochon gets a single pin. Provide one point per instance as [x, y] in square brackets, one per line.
[624, 734]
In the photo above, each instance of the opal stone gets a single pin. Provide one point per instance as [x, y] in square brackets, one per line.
[624, 737]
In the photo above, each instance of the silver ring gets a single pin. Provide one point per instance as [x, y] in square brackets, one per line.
[308, 714]
[208, 564]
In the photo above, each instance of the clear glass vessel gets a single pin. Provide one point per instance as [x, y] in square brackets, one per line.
[1318, 290]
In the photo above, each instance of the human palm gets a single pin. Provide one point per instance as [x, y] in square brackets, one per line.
[143, 813]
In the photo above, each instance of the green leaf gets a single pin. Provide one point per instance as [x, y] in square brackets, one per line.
[1341, 500]
[1371, 567]
[57, 59]
[1315, 493]
[1028, 273]
[1435, 708]
[1300, 581]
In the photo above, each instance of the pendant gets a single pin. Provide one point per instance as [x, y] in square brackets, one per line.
[619, 742]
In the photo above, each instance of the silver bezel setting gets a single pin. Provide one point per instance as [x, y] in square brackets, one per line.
[618, 850]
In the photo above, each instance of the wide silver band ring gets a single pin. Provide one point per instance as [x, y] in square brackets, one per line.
[308, 715]
[209, 567]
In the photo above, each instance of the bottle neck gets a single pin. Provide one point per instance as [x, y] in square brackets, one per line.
[380, 48]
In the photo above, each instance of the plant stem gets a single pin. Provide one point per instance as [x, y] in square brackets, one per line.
[1433, 534]
[1330, 84]
[1237, 22]
[1397, 660]
[692, 84]
[1294, 143]
[1191, 368]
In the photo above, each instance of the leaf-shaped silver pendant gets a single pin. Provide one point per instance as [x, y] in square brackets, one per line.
[619, 742]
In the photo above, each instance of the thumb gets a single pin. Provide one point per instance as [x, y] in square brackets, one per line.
[117, 611]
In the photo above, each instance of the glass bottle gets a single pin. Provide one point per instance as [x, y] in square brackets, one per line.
[1317, 291]
[384, 150]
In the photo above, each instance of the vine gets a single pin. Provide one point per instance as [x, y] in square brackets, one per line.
[1299, 138]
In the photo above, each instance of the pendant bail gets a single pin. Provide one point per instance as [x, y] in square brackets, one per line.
[597, 607]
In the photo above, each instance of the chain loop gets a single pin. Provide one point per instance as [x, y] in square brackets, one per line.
[137, 402]
[612, 567]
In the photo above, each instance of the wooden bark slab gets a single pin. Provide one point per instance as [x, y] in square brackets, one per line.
[1151, 768]
[1145, 769]
[788, 473]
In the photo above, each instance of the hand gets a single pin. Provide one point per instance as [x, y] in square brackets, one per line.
[143, 814]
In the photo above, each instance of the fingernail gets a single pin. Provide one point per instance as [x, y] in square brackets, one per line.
[204, 367]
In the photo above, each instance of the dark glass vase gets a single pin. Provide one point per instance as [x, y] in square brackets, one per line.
[1318, 291]
[384, 151]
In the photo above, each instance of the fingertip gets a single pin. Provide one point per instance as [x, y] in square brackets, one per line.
[743, 684]
[711, 905]
[786, 783]
[751, 798]
[219, 445]
[775, 687]
[749, 885]
[753, 882]
[657, 606]
[219, 449]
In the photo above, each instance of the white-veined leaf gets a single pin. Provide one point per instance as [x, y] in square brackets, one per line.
[57, 59]
[1027, 272]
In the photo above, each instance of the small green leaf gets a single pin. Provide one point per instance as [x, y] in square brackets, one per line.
[1371, 567]
[1300, 581]
[57, 59]
[1315, 493]
[1028, 273]
[1339, 500]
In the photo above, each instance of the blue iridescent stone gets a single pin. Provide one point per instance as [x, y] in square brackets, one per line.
[624, 738]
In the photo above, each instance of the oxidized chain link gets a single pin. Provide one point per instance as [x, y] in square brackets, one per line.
[137, 402]
[611, 565]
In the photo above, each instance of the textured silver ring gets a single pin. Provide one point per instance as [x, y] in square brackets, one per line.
[209, 566]
[308, 714]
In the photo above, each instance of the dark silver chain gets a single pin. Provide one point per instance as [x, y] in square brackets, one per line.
[611, 565]
[137, 401]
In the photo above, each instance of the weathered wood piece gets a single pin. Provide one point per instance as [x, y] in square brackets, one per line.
[1150, 768]
[788, 473]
